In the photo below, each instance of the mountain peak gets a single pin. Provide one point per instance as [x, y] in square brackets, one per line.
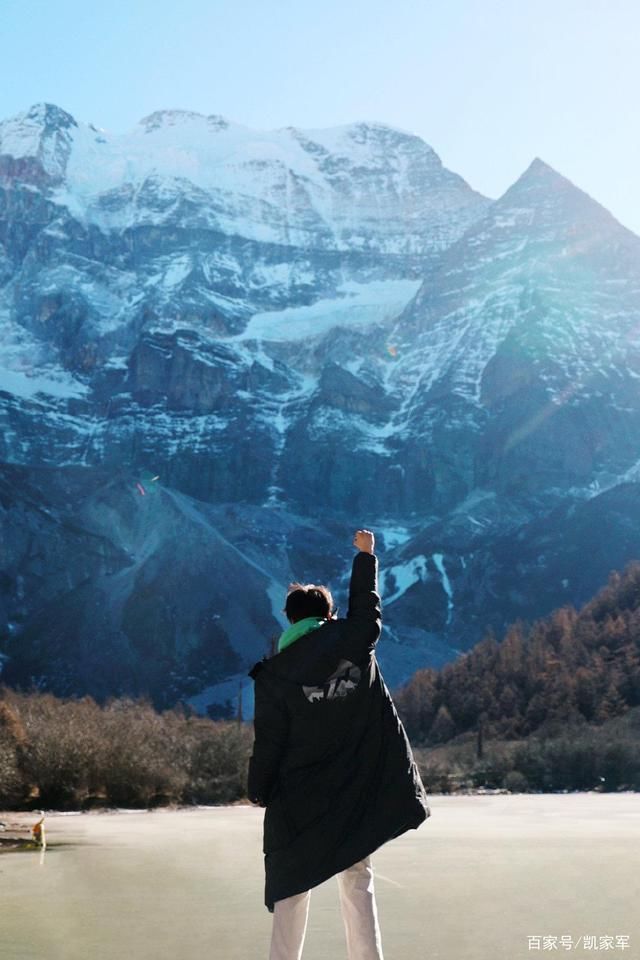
[550, 197]
[41, 119]
[160, 119]
[363, 133]
[546, 211]
[539, 166]
[35, 144]
[49, 116]
[377, 128]
[541, 174]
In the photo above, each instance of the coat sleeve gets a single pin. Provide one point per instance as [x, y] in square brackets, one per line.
[364, 616]
[271, 727]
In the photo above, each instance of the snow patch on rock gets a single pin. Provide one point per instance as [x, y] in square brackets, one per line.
[360, 305]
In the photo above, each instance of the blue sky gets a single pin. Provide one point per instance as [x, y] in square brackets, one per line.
[488, 84]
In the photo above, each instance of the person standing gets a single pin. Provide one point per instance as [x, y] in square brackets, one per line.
[331, 762]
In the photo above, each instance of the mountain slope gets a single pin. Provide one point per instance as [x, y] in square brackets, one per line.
[296, 332]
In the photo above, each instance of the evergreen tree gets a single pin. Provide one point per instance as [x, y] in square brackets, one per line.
[443, 727]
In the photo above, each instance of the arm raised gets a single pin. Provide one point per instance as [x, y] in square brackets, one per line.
[364, 616]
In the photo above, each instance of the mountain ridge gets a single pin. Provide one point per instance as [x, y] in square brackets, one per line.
[254, 362]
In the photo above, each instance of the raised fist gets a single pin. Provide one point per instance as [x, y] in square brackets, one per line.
[364, 540]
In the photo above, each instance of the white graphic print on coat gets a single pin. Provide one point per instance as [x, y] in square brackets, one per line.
[341, 683]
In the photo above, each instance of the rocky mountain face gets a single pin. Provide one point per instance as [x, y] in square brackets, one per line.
[224, 349]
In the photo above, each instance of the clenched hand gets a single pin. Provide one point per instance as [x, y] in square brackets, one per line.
[364, 540]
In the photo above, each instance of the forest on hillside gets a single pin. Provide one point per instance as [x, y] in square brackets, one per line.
[572, 668]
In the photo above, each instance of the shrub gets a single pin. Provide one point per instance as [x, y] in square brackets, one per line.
[62, 754]
[219, 759]
[12, 743]
[515, 782]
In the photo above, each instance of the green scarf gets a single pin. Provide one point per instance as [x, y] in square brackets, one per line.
[297, 630]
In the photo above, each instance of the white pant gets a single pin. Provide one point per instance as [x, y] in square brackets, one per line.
[359, 914]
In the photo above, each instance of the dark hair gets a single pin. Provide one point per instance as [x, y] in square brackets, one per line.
[308, 600]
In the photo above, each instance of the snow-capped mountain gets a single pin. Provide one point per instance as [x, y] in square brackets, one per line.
[361, 187]
[222, 349]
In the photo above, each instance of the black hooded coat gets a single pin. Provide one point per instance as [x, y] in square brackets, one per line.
[331, 761]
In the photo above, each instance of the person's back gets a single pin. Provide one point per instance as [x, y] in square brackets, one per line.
[331, 762]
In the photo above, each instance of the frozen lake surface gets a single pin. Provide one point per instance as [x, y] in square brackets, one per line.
[475, 882]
